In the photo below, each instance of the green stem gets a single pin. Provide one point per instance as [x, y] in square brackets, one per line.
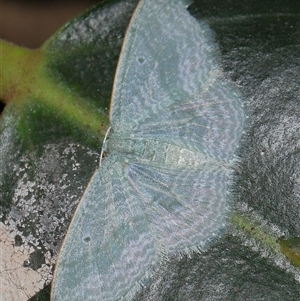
[256, 231]
[290, 247]
[24, 77]
[13, 61]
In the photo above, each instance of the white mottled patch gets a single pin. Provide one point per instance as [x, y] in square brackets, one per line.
[19, 283]
[44, 195]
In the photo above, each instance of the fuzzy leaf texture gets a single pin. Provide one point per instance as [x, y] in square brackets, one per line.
[49, 150]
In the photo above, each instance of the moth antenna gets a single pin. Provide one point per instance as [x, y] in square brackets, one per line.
[103, 148]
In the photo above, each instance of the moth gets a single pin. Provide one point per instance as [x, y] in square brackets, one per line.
[164, 186]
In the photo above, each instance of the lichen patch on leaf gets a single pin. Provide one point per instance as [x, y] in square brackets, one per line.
[18, 282]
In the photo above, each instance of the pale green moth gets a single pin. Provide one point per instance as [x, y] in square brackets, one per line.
[164, 186]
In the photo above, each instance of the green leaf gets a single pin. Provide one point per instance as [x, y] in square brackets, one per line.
[49, 147]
